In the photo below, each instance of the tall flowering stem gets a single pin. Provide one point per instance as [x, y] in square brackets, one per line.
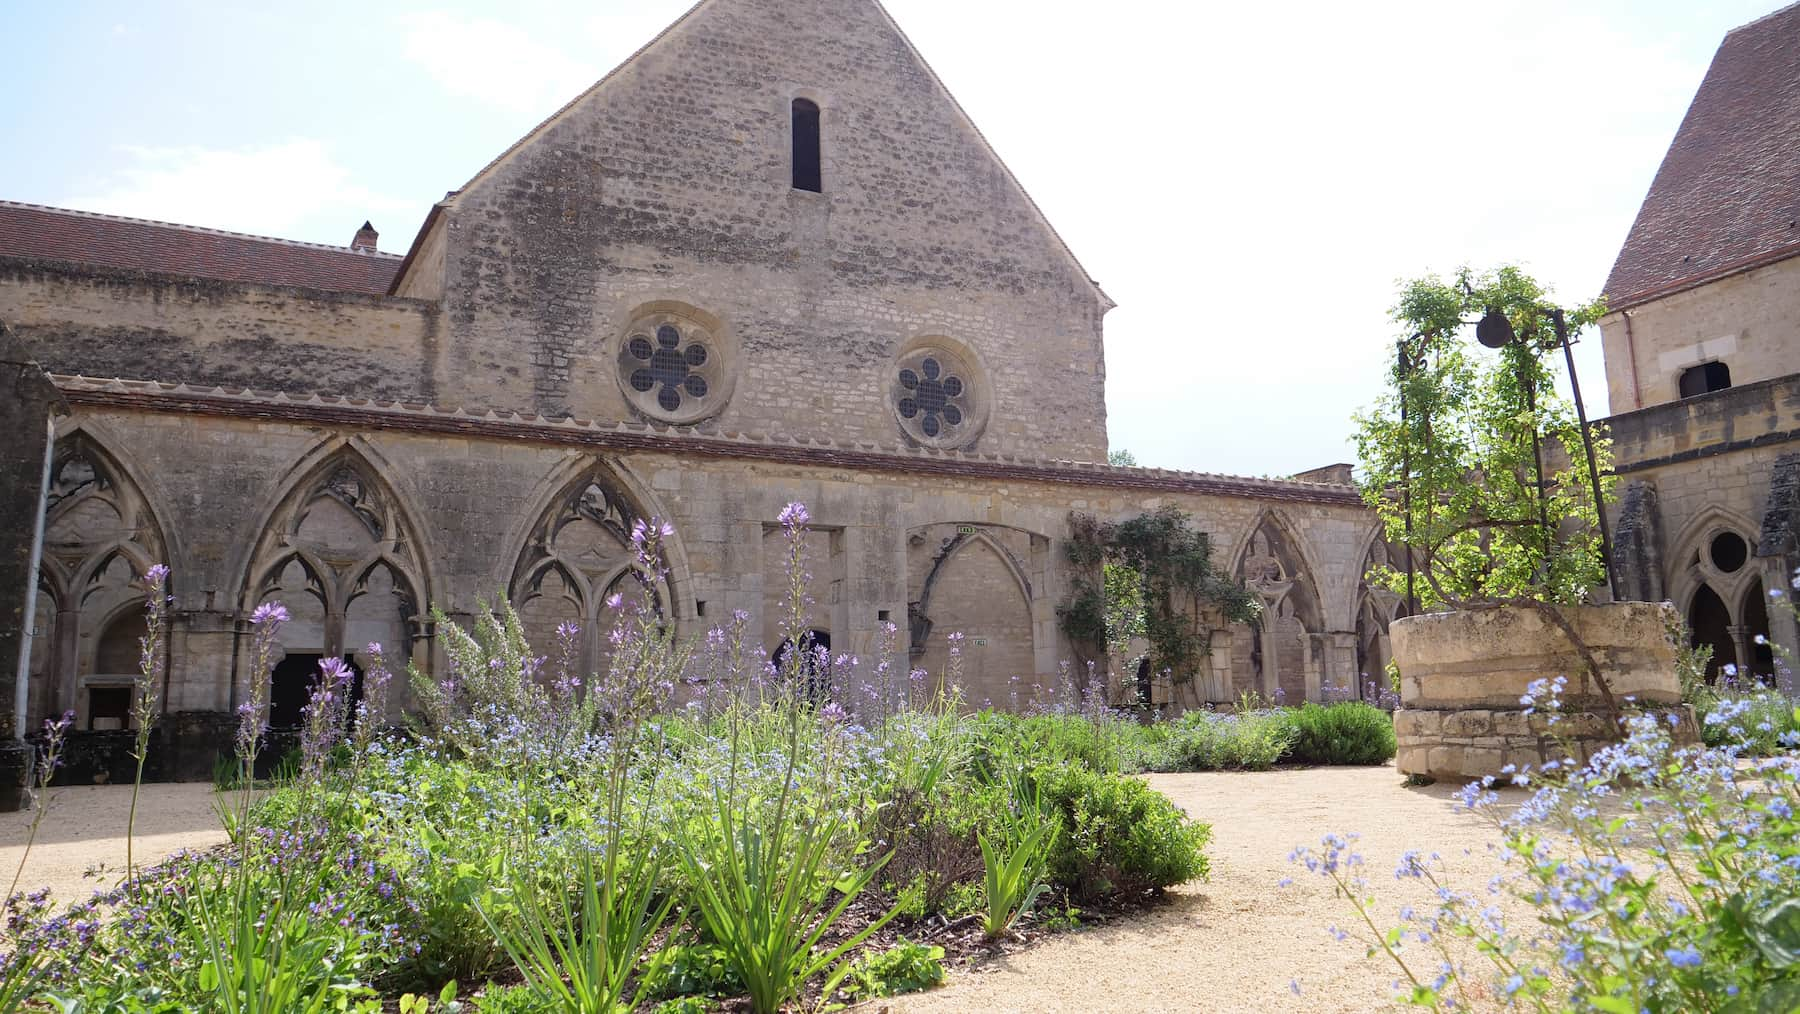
[22, 972]
[56, 732]
[794, 519]
[371, 711]
[253, 711]
[322, 723]
[146, 702]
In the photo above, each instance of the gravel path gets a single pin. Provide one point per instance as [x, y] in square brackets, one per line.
[1238, 942]
[85, 827]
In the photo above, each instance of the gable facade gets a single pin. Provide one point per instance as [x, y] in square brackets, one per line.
[635, 313]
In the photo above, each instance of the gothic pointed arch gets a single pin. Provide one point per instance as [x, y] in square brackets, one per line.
[339, 549]
[578, 565]
[1281, 656]
[972, 579]
[1715, 550]
[100, 536]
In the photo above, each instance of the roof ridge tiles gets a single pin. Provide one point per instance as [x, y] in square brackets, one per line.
[204, 229]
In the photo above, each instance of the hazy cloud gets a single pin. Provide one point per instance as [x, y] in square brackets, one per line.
[266, 190]
[493, 62]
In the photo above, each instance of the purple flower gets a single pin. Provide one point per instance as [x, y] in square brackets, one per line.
[794, 515]
[269, 613]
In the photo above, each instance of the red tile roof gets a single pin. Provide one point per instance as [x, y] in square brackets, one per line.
[31, 230]
[1727, 197]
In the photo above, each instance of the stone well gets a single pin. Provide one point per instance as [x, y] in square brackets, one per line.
[1462, 675]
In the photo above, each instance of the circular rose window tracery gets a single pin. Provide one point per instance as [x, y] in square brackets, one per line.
[670, 369]
[935, 398]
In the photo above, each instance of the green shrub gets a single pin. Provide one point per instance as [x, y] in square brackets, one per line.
[1119, 836]
[1349, 732]
[1206, 741]
[905, 967]
[1759, 721]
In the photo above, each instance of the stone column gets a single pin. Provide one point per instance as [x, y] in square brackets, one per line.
[1784, 628]
[1743, 646]
[29, 403]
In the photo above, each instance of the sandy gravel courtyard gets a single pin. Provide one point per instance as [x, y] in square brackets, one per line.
[85, 827]
[1238, 942]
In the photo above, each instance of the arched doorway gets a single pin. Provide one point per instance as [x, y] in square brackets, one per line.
[1761, 654]
[1710, 623]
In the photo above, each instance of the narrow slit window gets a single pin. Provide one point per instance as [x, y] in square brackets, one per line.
[806, 147]
[1705, 378]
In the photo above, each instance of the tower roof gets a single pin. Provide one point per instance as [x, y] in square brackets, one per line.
[1727, 197]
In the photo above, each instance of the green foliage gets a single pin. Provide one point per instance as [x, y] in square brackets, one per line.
[519, 999]
[769, 885]
[1015, 857]
[1154, 574]
[694, 969]
[906, 967]
[1119, 836]
[1448, 458]
[1245, 740]
[580, 953]
[1348, 732]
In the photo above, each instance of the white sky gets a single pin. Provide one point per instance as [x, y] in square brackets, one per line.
[1248, 181]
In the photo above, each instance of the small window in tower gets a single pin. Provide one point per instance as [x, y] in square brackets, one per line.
[806, 146]
[1706, 377]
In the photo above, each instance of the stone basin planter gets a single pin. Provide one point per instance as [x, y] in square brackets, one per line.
[1462, 674]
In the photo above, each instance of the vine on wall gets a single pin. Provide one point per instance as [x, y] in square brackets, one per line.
[1151, 576]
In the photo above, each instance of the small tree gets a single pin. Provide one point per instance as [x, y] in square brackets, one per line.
[1475, 465]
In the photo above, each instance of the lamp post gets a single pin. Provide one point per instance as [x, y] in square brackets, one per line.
[1496, 332]
[1409, 361]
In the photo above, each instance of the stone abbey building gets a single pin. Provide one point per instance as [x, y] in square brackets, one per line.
[1703, 359]
[767, 259]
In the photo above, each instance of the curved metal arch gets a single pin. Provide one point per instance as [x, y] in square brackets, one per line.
[99, 437]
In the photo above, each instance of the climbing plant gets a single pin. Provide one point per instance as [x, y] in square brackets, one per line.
[1472, 461]
[1150, 576]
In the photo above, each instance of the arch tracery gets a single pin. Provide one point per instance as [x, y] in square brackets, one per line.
[100, 536]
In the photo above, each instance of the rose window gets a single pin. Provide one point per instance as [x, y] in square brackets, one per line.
[934, 398]
[669, 370]
[929, 396]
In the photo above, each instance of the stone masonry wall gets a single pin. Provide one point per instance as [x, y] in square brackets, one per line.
[468, 507]
[106, 323]
[670, 183]
[1749, 321]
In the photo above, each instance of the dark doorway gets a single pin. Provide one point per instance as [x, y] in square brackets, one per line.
[1710, 622]
[292, 684]
[815, 665]
[1144, 695]
[1756, 622]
